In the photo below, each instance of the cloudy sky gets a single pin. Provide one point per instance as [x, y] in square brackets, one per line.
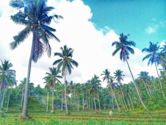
[89, 27]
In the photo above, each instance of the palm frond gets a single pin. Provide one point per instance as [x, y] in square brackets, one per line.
[117, 49]
[17, 4]
[20, 37]
[146, 57]
[74, 63]
[58, 54]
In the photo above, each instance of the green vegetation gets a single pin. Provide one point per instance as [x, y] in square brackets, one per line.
[140, 102]
[87, 118]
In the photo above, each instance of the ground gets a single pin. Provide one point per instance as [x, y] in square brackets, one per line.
[87, 118]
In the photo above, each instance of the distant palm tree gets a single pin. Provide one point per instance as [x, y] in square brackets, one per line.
[33, 14]
[125, 47]
[95, 86]
[153, 57]
[65, 64]
[118, 74]
[109, 79]
[143, 75]
[22, 88]
[51, 78]
[7, 78]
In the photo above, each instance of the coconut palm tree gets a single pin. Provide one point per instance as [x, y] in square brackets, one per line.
[65, 64]
[143, 75]
[22, 89]
[51, 78]
[153, 56]
[34, 15]
[7, 78]
[118, 75]
[95, 86]
[109, 79]
[124, 46]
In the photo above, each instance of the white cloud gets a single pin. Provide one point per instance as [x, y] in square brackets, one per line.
[92, 47]
[151, 29]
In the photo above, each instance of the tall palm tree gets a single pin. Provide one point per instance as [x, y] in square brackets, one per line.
[153, 57]
[7, 78]
[65, 64]
[51, 78]
[124, 46]
[118, 75]
[34, 15]
[109, 79]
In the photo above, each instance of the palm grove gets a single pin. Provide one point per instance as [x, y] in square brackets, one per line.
[59, 94]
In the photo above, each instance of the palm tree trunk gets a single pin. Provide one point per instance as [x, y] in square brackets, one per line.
[47, 102]
[160, 82]
[22, 99]
[99, 103]
[131, 101]
[89, 103]
[66, 107]
[62, 103]
[8, 102]
[114, 96]
[83, 102]
[123, 99]
[136, 88]
[146, 88]
[78, 104]
[52, 110]
[94, 101]
[24, 114]
[116, 101]
[3, 98]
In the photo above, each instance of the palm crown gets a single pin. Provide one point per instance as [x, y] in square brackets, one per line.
[124, 46]
[7, 75]
[52, 76]
[118, 74]
[153, 53]
[65, 62]
[34, 15]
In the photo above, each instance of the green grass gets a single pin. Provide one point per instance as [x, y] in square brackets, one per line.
[86, 118]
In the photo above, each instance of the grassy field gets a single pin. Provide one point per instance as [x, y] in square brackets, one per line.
[86, 118]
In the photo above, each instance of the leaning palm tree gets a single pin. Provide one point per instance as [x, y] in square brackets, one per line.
[65, 64]
[109, 79]
[118, 75]
[7, 78]
[124, 46]
[51, 78]
[34, 15]
[153, 57]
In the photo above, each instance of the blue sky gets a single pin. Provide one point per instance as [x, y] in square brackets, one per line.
[82, 29]
[144, 20]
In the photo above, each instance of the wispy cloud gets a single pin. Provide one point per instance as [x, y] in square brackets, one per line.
[155, 26]
[151, 29]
